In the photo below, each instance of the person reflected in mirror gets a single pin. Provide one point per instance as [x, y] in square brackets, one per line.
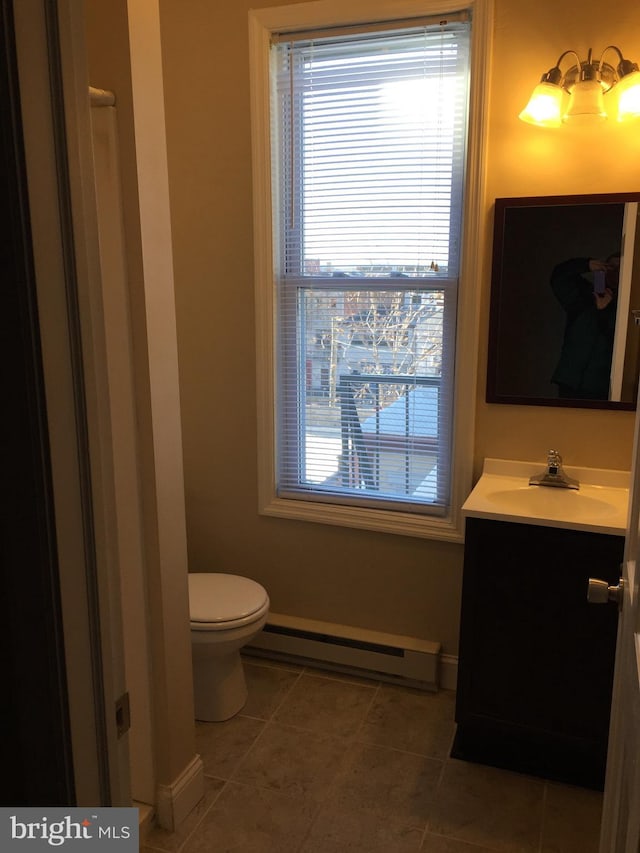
[587, 289]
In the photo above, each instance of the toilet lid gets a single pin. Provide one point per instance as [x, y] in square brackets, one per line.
[216, 597]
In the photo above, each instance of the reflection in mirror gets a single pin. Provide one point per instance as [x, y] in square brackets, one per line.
[565, 285]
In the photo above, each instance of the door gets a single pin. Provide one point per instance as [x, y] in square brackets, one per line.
[60, 195]
[36, 755]
[621, 811]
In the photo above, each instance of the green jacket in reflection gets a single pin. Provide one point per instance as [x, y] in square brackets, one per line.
[584, 368]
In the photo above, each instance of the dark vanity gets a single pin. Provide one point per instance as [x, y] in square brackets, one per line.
[536, 660]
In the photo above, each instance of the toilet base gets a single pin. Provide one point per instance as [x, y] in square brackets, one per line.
[219, 687]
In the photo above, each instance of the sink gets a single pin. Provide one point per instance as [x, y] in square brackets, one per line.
[546, 500]
[503, 493]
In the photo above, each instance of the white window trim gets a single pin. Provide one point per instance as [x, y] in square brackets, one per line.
[263, 22]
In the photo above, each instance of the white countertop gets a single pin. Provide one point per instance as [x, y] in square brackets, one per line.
[503, 493]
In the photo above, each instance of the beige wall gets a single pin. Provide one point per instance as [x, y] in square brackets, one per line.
[383, 582]
[123, 47]
[529, 37]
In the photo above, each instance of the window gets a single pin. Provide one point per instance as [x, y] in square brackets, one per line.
[359, 254]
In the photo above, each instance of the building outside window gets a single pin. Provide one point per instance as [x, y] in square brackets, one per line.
[368, 143]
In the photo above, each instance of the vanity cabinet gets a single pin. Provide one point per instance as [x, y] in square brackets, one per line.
[536, 659]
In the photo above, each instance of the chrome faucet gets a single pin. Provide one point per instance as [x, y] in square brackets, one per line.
[554, 474]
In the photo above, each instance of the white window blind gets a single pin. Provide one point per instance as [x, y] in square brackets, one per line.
[369, 150]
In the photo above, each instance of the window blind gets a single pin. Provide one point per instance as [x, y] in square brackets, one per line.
[369, 146]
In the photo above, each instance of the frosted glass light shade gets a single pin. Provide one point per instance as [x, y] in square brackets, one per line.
[628, 94]
[586, 103]
[545, 106]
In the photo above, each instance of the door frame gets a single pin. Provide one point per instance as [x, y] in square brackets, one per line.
[55, 116]
[36, 758]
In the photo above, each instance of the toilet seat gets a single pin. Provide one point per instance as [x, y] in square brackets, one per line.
[220, 602]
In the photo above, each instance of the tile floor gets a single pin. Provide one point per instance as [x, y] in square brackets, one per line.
[323, 763]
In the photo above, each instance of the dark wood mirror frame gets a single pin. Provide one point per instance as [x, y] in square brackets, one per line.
[531, 235]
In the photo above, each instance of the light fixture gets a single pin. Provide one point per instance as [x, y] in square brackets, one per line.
[587, 92]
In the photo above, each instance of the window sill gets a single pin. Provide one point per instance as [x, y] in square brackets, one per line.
[448, 529]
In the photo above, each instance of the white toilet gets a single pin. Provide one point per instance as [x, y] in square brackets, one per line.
[226, 612]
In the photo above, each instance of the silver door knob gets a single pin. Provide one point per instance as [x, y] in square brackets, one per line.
[600, 592]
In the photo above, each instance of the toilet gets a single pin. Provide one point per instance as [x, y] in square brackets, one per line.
[226, 612]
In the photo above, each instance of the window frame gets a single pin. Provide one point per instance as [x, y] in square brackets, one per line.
[262, 23]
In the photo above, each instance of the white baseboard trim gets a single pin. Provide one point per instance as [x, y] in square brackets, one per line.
[177, 800]
[345, 648]
[146, 816]
[448, 672]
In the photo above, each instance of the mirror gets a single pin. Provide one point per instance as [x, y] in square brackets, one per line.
[552, 340]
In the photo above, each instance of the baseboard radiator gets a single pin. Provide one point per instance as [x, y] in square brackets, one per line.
[386, 657]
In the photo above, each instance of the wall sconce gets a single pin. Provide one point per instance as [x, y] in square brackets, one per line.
[583, 92]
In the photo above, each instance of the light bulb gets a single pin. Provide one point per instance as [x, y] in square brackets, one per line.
[628, 94]
[586, 103]
[545, 106]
